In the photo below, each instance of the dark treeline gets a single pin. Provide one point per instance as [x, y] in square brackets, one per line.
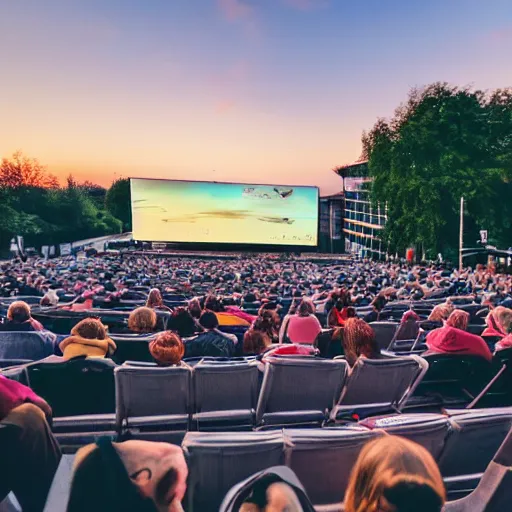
[33, 204]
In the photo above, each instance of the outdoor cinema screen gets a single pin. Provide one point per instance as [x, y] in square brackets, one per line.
[232, 213]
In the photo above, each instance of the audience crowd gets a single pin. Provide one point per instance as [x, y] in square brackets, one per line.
[285, 306]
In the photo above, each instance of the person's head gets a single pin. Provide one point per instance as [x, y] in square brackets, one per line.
[439, 313]
[458, 319]
[267, 321]
[182, 322]
[255, 342]
[504, 318]
[194, 306]
[142, 320]
[212, 303]
[167, 348]
[155, 299]
[18, 312]
[141, 476]
[394, 474]
[90, 329]
[209, 320]
[306, 307]
[358, 340]
[409, 316]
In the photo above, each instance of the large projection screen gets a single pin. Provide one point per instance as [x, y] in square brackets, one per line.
[223, 213]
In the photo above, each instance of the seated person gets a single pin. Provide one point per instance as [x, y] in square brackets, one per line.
[498, 322]
[453, 338]
[167, 349]
[133, 476]
[183, 323]
[268, 323]
[341, 310]
[19, 319]
[30, 453]
[255, 342]
[409, 327]
[88, 338]
[227, 315]
[302, 327]
[194, 308]
[394, 474]
[359, 341]
[142, 321]
[212, 342]
[156, 301]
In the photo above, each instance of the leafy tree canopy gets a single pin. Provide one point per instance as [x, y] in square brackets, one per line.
[443, 143]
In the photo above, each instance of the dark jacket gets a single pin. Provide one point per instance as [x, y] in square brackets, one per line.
[210, 344]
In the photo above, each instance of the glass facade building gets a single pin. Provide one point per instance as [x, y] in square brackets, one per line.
[362, 222]
[331, 224]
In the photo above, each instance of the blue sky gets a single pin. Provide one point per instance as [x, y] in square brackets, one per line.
[250, 90]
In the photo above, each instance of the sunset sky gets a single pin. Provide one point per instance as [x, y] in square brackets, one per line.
[267, 91]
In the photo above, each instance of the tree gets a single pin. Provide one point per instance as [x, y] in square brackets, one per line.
[443, 143]
[118, 202]
[22, 171]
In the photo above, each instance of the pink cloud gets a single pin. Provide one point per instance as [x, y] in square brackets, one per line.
[224, 106]
[305, 5]
[502, 35]
[234, 10]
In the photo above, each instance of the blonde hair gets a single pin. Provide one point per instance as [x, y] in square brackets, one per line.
[504, 318]
[439, 313]
[395, 470]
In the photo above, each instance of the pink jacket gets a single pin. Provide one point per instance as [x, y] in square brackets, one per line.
[303, 329]
[13, 394]
[449, 340]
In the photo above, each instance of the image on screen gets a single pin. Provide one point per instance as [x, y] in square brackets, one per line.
[206, 212]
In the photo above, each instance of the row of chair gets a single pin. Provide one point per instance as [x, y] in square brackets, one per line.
[463, 443]
[163, 403]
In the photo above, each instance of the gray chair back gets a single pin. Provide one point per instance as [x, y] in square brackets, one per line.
[430, 430]
[24, 345]
[381, 383]
[384, 333]
[225, 393]
[298, 390]
[218, 461]
[323, 459]
[475, 438]
[150, 396]
[494, 491]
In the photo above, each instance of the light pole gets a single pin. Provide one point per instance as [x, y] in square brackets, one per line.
[461, 232]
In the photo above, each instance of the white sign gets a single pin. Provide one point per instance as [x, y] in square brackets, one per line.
[65, 249]
[483, 236]
[45, 250]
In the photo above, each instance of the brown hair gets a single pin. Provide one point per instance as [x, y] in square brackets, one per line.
[167, 348]
[439, 313]
[154, 299]
[395, 470]
[18, 312]
[90, 329]
[255, 342]
[306, 307]
[458, 319]
[358, 340]
[267, 322]
[142, 320]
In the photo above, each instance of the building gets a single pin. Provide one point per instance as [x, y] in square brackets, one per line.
[362, 222]
[331, 224]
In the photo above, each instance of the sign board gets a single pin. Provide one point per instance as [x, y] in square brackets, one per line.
[45, 251]
[483, 236]
[65, 249]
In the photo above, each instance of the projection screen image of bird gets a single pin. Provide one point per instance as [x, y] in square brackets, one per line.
[206, 212]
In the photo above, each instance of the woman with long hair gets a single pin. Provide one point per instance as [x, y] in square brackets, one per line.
[394, 474]
[156, 301]
[359, 341]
